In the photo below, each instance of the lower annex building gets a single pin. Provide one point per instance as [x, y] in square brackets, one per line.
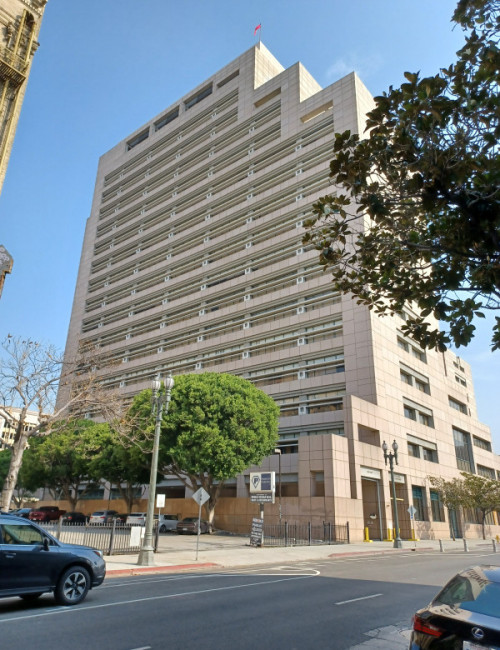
[193, 261]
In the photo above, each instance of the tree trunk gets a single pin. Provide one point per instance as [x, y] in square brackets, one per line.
[16, 460]
[214, 493]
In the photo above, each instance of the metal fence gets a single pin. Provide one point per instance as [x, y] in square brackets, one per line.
[112, 539]
[306, 534]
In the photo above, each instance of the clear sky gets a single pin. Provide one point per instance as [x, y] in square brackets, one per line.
[104, 67]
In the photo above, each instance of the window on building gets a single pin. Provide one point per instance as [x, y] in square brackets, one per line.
[205, 92]
[487, 472]
[413, 450]
[419, 503]
[458, 406]
[463, 450]
[92, 492]
[410, 412]
[406, 377]
[416, 352]
[317, 484]
[137, 140]
[460, 380]
[417, 412]
[437, 509]
[430, 455]
[163, 121]
[481, 443]
[414, 378]
[420, 448]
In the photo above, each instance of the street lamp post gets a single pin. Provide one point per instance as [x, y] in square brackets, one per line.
[160, 400]
[391, 457]
[277, 451]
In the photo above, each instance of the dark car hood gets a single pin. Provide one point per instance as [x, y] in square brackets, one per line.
[74, 547]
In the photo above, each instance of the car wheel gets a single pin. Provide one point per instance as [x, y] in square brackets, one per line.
[163, 529]
[73, 586]
[29, 597]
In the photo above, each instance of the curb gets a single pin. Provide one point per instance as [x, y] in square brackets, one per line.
[118, 573]
[381, 552]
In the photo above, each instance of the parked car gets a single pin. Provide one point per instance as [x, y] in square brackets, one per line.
[136, 519]
[32, 563]
[168, 523]
[190, 525]
[102, 517]
[465, 613]
[71, 518]
[22, 512]
[46, 513]
[121, 518]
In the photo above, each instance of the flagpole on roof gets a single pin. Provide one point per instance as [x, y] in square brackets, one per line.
[258, 29]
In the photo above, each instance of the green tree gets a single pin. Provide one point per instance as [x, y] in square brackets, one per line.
[63, 460]
[31, 374]
[217, 426]
[416, 219]
[451, 493]
[482, 494]
[5, 455]
[124, 466]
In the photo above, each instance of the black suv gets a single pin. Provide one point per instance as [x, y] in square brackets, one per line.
[32, 562]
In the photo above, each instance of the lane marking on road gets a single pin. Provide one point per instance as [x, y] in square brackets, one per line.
[354, 600]
[226, 574]
[144, 647]
[66, 610]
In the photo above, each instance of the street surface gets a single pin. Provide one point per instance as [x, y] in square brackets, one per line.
[334, 604]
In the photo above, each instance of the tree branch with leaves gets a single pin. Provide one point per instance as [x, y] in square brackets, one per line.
[416, 218]
[31, 373]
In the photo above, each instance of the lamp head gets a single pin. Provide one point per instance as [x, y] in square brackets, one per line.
[156, 385]
[169, 382]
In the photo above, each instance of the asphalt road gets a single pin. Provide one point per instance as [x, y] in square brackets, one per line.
[331, 604]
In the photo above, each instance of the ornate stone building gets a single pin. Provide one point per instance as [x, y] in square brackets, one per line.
[20, 22]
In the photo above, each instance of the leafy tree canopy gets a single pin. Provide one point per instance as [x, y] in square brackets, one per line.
[216, 427]
[470, 491]
[63, 460]
[124, 465]
[426, 183]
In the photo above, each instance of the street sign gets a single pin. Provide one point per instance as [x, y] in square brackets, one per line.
[256, 532]
[262, 482]
[160, 500]
[412, 510]
[262, 498]
[201, 496]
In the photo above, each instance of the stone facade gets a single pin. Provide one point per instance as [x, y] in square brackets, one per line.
[20, 22]
[193, 261]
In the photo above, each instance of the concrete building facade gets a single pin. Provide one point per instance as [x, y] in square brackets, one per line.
[193, 261]
[9, 418]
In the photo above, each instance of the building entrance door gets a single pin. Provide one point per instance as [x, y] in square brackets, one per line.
[372, 513]
[455, 530]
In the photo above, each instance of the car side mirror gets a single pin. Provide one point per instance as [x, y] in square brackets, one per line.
[46, 544]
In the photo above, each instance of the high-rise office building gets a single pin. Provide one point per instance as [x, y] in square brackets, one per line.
[193, 261]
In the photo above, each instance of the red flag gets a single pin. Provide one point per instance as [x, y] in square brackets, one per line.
[257, 29]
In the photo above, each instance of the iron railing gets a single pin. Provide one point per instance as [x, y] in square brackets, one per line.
[305, 534]
[112, 539]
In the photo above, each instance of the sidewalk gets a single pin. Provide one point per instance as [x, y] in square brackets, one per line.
[218, 551]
